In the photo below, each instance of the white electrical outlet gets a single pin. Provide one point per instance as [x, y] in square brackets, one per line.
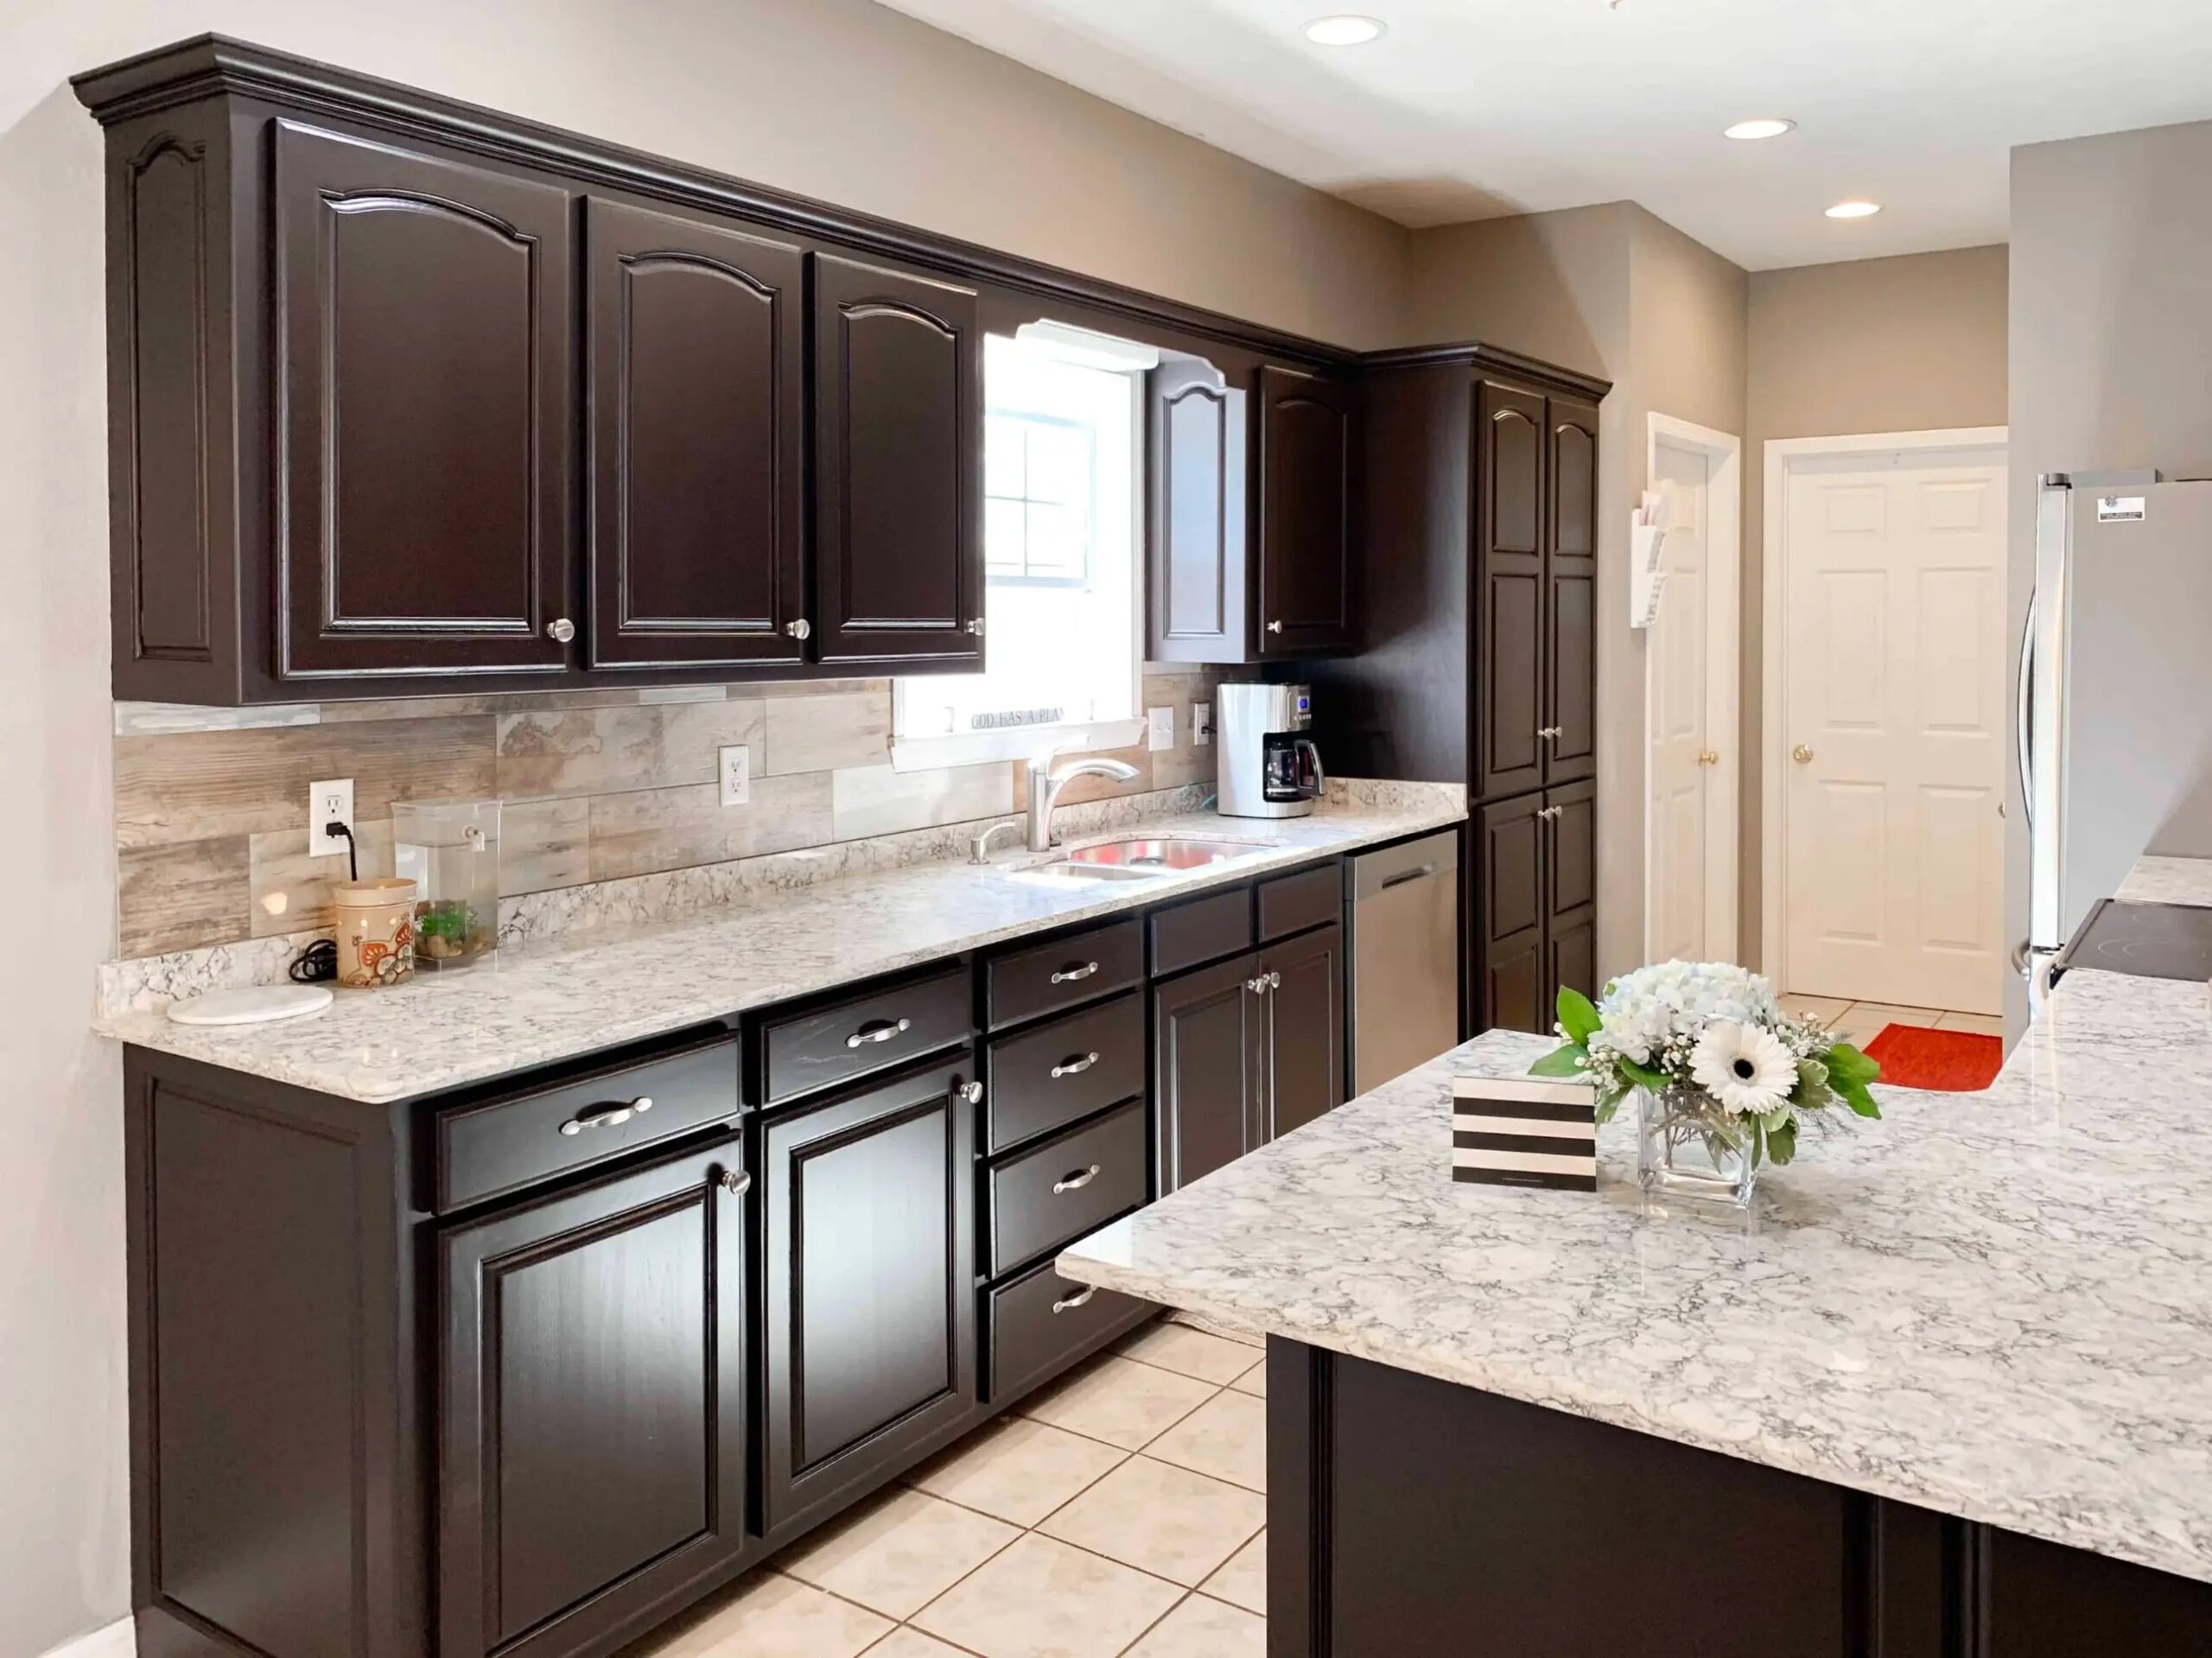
[1201, 725]
[737, 774]
[328, 803]
[1163, 729]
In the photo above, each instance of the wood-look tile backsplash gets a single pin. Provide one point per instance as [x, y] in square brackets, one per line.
[212, 843]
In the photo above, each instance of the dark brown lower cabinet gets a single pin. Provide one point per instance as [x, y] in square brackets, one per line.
[1570, 893]
[868, 1217]
[592, 1443]
[1534, 900]
[1303, 1057]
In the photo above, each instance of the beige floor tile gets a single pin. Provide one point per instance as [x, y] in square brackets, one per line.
[1244, 1580]
[900, 1553]
[1121, 1401]
[1978, 1024]
[1043, 1599]
[775, 1617]
[1189, 1352]
[905, 1642]
[1226, 1437]
[1167, 1520]
[1823, 1008]
[1254, 1381]
[1018, 1470]
[1205, 1629]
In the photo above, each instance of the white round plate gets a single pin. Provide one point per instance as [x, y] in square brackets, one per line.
[252, 1004]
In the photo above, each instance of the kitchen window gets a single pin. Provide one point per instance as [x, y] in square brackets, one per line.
[1063, 539]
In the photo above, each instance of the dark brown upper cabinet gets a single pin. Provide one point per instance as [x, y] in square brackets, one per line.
[1571, 592]
[696, 385]
[1510, 701]
[423, 375]
[1307, 426]
[1199, 552]
[899, 466]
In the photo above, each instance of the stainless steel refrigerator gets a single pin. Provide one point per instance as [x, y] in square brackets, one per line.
[2115, 699]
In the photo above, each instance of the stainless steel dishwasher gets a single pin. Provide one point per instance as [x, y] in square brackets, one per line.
[1402, 905]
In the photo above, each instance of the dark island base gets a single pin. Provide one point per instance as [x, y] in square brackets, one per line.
[1411, 1518]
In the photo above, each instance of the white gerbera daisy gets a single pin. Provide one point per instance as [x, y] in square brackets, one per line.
[1748, 1069]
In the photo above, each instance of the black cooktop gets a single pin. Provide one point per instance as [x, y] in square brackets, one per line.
[2151, 941]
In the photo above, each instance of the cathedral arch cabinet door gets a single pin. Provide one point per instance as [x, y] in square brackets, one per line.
[1510, 698]
[899, 466]
[592, 1413]
[1307, 436]
[1570, 696]
[423, 334]
[696, 386]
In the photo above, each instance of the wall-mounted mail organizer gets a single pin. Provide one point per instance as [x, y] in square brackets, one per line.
[1647, 576]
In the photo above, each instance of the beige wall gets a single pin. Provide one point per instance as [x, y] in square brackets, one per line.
[1909, 344]
[839, 98]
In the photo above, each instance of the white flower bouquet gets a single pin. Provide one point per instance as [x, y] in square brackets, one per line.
[1711, 1040]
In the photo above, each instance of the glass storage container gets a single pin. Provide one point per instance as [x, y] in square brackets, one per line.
[450, 849]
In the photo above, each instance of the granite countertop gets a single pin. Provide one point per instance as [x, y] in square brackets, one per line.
[1994, 1306]
[2168, 881]
[554, 1000]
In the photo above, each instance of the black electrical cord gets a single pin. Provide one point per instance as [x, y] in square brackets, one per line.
[318, 961]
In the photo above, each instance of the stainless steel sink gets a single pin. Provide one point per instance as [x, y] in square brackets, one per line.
[1139, 858]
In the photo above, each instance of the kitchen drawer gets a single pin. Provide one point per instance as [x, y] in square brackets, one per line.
[1042, 1322]
[1044, 1078]
[1306, 898]
[1204, 930]
[1071, 1185]
[1067, 973]
[806, 1051]
[518, 1138]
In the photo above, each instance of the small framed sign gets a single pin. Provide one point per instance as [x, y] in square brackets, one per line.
[1524, 1131]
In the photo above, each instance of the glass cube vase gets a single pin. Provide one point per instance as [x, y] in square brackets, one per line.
[1688, 1146]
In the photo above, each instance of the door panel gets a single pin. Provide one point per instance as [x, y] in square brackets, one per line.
[1207, 1031]
[1509, 918]
[1570, 863]
[424, 368]
[1304, 1066]
[697, 364]
[1571, 595]
[1510, 597]
[1305, 493]
[1680, 652]
[868, 1212]
[899, 466]
[1200, 547]
[593, 1410]
[1895, 678]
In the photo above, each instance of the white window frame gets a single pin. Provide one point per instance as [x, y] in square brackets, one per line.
[1025, 742]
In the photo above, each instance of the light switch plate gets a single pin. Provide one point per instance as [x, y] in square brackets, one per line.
[1201, 725]
[737, 774]
[1162, 734]
[328, 802]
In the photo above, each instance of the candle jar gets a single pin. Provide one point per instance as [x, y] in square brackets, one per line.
[376, 931]
[450, 849]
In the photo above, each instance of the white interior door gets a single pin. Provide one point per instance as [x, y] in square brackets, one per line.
[1894, 728]
[1692, 664]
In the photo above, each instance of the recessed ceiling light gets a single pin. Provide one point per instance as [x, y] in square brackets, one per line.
[1854, 210]
[1348, 30]
[1763, 126]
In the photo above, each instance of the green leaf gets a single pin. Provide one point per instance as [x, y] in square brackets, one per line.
[1781, 1143]
[1758, 1141]
[1576, 1015]
[1856, 1097]
[1812, 1092]
[1847, 1064]
[1569, 1061]
[1641, 1076]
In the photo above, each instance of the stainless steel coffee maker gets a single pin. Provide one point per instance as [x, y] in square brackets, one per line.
[1269, 768]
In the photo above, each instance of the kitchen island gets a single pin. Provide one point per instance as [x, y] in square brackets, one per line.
[1951, 1394]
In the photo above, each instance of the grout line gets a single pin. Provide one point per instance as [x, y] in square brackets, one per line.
[1144, 1632]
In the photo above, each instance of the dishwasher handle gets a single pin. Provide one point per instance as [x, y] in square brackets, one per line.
[1404, 875]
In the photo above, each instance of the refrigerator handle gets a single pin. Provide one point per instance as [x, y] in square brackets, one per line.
[2024, 718]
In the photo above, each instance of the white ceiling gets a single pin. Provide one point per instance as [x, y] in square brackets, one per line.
[1471, 108]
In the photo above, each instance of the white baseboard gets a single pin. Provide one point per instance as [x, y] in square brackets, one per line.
[118, 1640]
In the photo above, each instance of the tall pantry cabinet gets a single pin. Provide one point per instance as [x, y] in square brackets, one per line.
[1479, 664]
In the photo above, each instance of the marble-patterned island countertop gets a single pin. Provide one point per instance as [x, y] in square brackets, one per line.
[542, 1002]
[2168, 881]
[1994, 1306]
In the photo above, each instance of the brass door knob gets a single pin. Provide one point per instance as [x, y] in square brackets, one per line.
[1708, 757]
[1801, 755]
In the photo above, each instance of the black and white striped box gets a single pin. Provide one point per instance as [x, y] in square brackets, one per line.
[1524, 1131]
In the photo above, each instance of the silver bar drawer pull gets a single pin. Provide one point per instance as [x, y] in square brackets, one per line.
[1075, 1182]
[1081, 1298]
[606, 1116]
[1071, 974]
[879, 1030]
[1074, 1067]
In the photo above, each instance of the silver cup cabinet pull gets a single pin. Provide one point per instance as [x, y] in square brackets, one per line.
[736, 1182]
[972, 1093]
[1080, 1298]
[1073, 975]
[608, 1116]
[560, 630]
[1075, 1182]
[801, 629]
[879, 1030]
[1074, 1067]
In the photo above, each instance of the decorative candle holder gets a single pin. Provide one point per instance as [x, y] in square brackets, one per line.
[375, 931]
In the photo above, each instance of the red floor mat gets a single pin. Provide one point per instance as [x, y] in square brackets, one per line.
[1954, 1062]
